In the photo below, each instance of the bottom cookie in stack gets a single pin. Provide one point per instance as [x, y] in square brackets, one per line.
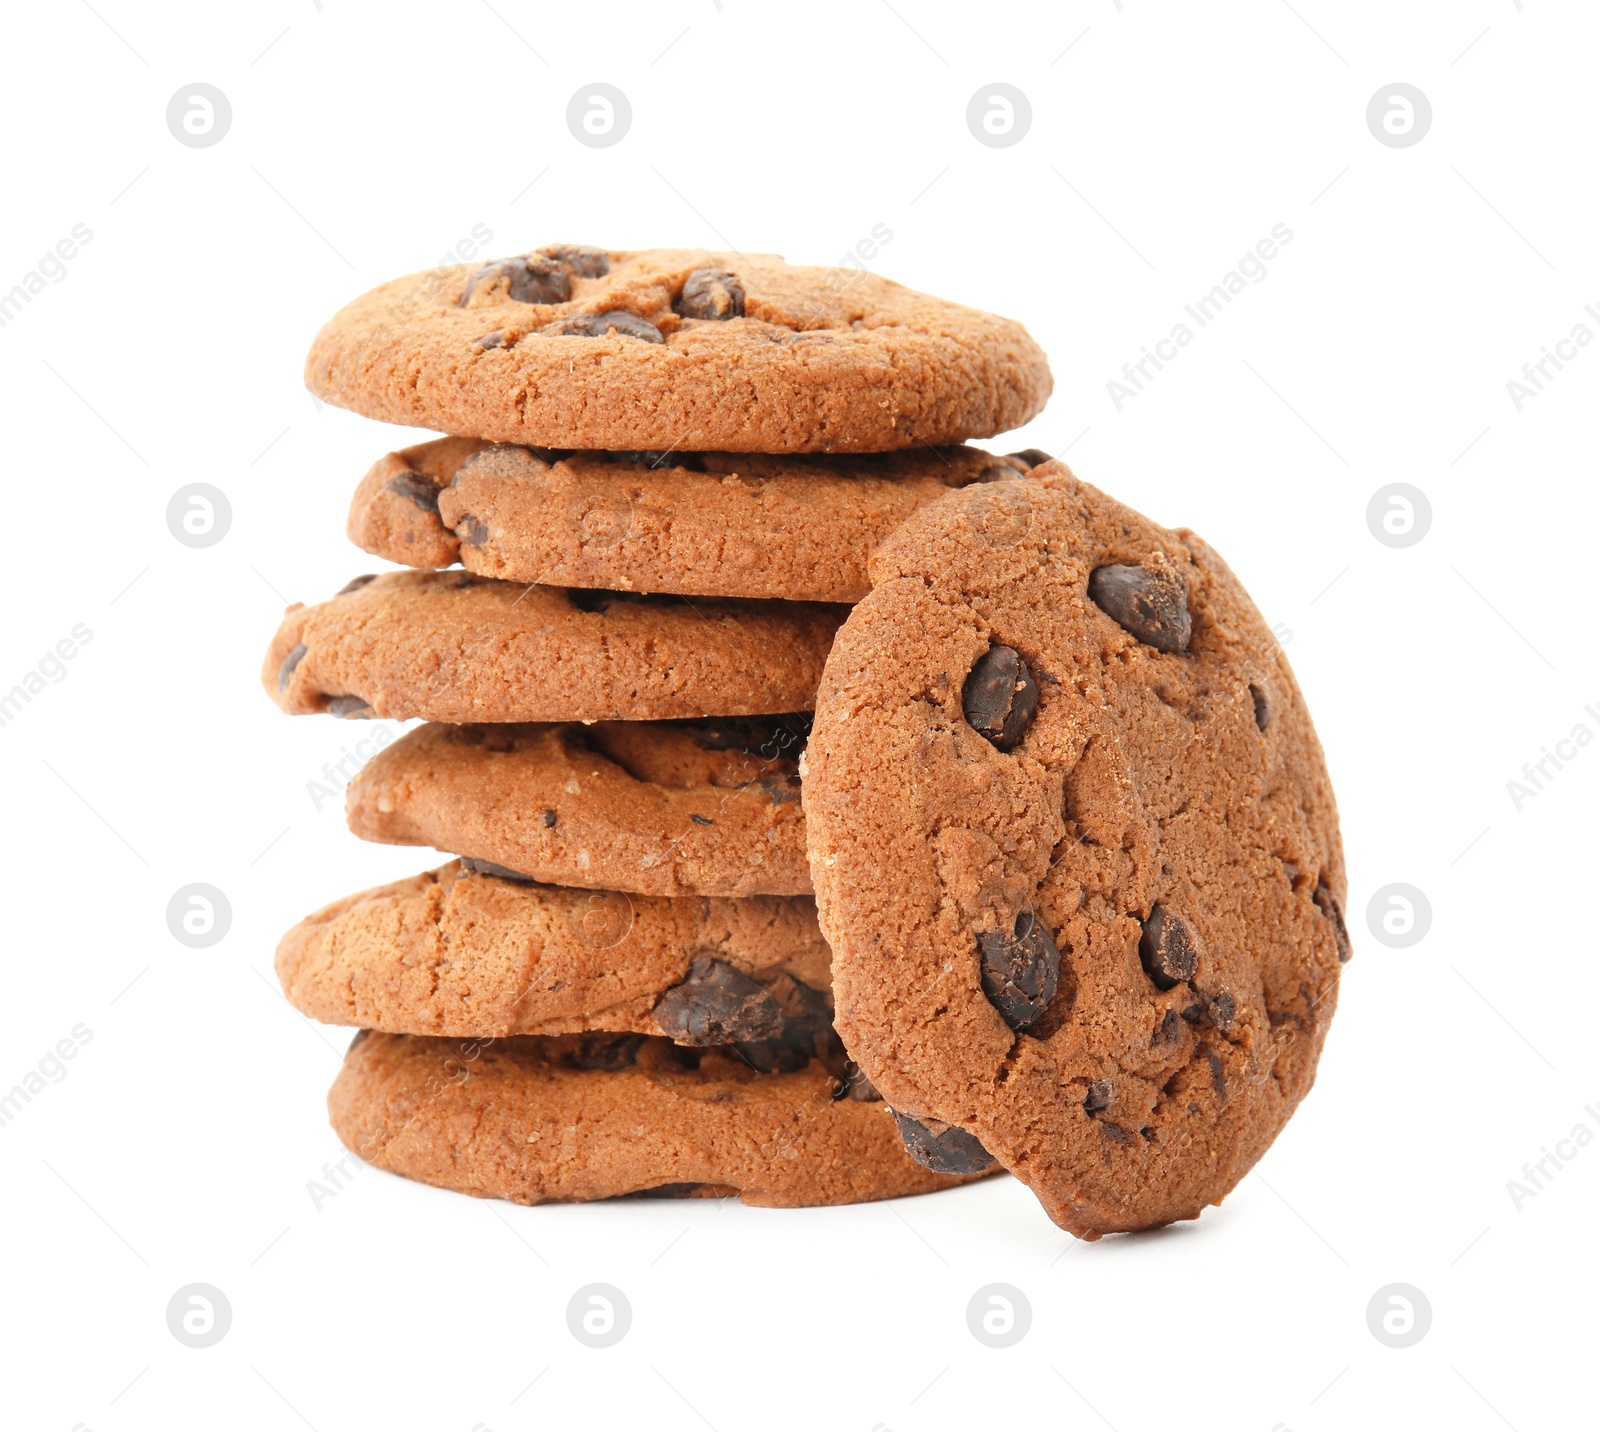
[546, 1044]
[570, 1118]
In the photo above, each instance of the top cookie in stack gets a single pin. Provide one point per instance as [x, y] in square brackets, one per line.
[662, 475]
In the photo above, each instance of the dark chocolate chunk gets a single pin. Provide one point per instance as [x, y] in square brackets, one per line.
[1326, 900]
[807, 1031]
[471, 531]
[1098, 1096]
[582, 259]
[415, 486]
[702, 819]
[942, 1147]
[853, 1084]
[1000, 696]
[1020, 970]
[1223, 1010]
[1148, 1133]
[534, 279]
[1152, 604]
[488, 867]
[1263, 705]
[349, 708]
[711, 293]
[549, 819]
[588, 599]
[781, 789]
[285, 671]
[717, 1004]
[1167, 1030]
[1219, 1082]
[355, 584]
[609, 1052]
[1167, 948]
[601, 325]
[489, 340]
[1032, 456]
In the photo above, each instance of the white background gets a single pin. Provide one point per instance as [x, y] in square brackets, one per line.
[1166, 140]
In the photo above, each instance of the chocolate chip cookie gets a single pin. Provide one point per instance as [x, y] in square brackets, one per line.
[451, 646]
[1076, 852]
[705, 524]
[563, 1119]
[656, 807]
[461, 951]
[677, 349]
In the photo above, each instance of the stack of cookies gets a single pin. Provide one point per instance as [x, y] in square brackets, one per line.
[661, 479]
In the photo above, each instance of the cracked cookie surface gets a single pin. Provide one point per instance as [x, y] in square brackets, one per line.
[450, 646]
[565, 1119]
[656, 807]
[704, 524]
[679, 349]
[1076, 852]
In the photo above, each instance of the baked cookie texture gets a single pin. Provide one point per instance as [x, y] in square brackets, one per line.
[1089, 921]
[599, 1116]
[680, 349]
[653, 807]
[453, 952]
[451, 646]
[704, 524]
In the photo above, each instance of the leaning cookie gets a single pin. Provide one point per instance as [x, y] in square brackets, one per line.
[1076, 852]
[600, 1116]
[450, 646]
[706, 524]
[679, 349]
[657, 807]
[459, 951]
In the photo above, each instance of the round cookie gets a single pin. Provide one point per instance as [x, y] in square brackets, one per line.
[601, 1116]
[1076, 853]
[677, 349]
[460, 952]
[450, 646]
[704, 524]
[656, 807]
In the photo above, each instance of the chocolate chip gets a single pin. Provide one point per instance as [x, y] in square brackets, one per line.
[582, 259]
[1219, 1082]
[942, 1147]
[549, 819]
[1098, 1096]
[294, 658]
[1223, 1010]
[471, 531]
[489, 340]
[1327, 902]
[609, 1052]
[853, 1084]
[602, 325]
[355, 584]
[1150, 603]
[1148, 1133]
[1032, 456]
[1262, 704]
[702, 819]
[1167, 948]
[417, 488]
[349, 708]
[1020, 970]
[717, 1004]
[534, 279]
[711, 293]
[488, 867]
[995, 474]
[781, 789]
[587, 599]
[807, 1031]
[1000, 696]
[1167, 1030]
